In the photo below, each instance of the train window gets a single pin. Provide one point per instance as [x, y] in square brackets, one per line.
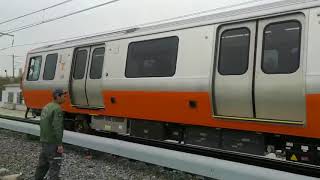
[97, 63]
[234, 51]
[34, 68]
[80, 64]
[281, 47]
[152, 58]
[50, 66]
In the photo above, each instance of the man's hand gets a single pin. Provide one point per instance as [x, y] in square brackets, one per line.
[60, 149]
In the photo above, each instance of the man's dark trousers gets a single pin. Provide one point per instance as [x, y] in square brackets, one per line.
[49, 160]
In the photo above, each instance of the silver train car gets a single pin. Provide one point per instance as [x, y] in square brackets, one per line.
[246, 79]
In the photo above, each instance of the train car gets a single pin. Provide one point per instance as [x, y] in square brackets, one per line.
[245, 79]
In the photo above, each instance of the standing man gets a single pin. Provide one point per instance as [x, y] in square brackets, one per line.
[51, 133]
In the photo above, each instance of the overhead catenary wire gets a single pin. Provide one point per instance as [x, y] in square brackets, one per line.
[34, 12]
[139, 25]
[60, 17]
[44, 42]
[144, 24]
[11, 55]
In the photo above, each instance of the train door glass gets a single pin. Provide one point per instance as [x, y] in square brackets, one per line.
[34, 68]
[78, 95]
[279, 78]
[94, 81]
[234, 70]
[50, 66]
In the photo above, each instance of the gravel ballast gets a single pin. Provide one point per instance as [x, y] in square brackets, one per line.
[19, 154]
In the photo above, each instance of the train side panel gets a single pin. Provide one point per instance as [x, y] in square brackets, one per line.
[313, 72]
[38, 91]
[163, 98]
[186, 97]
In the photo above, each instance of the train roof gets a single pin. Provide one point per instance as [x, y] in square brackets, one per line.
[242, 11]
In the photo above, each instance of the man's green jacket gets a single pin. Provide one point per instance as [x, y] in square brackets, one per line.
[51, 124]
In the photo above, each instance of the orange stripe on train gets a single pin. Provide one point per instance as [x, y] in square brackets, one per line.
[174, 107]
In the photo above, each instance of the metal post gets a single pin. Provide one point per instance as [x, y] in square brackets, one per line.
[13, 66]
[6, 34]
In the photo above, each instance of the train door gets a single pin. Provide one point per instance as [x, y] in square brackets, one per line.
[94, 77]
[259, 71]
[86, 85]
[78, 82]
[234, 70]
[279, 77]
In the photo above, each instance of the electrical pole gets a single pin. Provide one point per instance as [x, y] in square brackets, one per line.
[13, 66]
[6, 34]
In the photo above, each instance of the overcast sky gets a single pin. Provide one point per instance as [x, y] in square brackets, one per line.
[123, 13]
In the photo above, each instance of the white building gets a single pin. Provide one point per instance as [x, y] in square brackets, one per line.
[12, 97]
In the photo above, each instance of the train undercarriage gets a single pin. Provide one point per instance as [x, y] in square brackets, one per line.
[291, 148]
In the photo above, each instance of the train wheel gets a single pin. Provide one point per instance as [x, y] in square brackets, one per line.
[81, 126]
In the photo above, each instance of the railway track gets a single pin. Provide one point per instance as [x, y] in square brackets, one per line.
[259, 161]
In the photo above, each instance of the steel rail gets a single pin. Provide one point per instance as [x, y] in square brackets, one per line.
[254, 160]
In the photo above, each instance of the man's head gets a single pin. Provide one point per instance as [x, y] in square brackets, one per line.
[59, 95]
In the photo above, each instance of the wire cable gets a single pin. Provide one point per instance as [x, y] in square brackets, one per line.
[144, 24]
[44, 42]
[11, 55]
[129, 27]
[34, 12]
[57, 18]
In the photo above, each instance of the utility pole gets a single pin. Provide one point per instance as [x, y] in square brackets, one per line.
[6, 34]
[13, 66]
